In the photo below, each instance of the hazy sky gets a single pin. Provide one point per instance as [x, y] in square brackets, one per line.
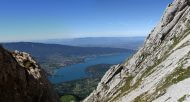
[49, 19]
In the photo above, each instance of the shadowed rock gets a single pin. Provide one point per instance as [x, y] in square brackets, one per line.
[23, 83]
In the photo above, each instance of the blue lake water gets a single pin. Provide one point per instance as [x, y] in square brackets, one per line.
[77, 71]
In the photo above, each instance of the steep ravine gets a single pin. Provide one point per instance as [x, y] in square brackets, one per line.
[160, 70]
[22, 79]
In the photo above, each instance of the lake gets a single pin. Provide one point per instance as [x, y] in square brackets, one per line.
[77, 71]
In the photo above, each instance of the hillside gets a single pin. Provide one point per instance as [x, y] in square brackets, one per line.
[52, 56]
[81, 88]
[114, 42]
[160, 70]
[23, 80]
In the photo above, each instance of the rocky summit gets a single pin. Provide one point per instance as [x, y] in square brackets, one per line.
[160, 70]
[22, 79]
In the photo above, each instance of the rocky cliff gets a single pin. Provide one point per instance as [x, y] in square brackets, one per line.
[160, 70]
[22, 79]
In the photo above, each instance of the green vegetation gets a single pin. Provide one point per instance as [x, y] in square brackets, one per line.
[83, 87]
[178, 39]
[126, 88]
[27, 64]
[141, 98]
[183, 98]
[52, 56]
[80, 88]
[54, 62]
[68, 98]
[179, 75]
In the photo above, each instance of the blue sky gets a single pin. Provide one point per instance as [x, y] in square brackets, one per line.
[22, 20]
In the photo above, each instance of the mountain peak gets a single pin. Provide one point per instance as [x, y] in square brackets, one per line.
[159, 71]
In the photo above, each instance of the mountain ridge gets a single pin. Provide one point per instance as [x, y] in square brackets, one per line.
[119, 42]
[52, 56]
[159, 71]
[23, 80]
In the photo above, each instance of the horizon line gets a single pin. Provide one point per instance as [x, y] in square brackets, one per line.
[33, 40]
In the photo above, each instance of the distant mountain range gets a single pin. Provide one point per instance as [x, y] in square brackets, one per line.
[53, 56]
[114, 42]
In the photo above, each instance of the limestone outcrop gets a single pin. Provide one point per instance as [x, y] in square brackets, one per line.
[160, 70]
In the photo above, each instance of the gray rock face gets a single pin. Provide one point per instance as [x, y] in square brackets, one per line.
[22, 80]
[160, 70]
